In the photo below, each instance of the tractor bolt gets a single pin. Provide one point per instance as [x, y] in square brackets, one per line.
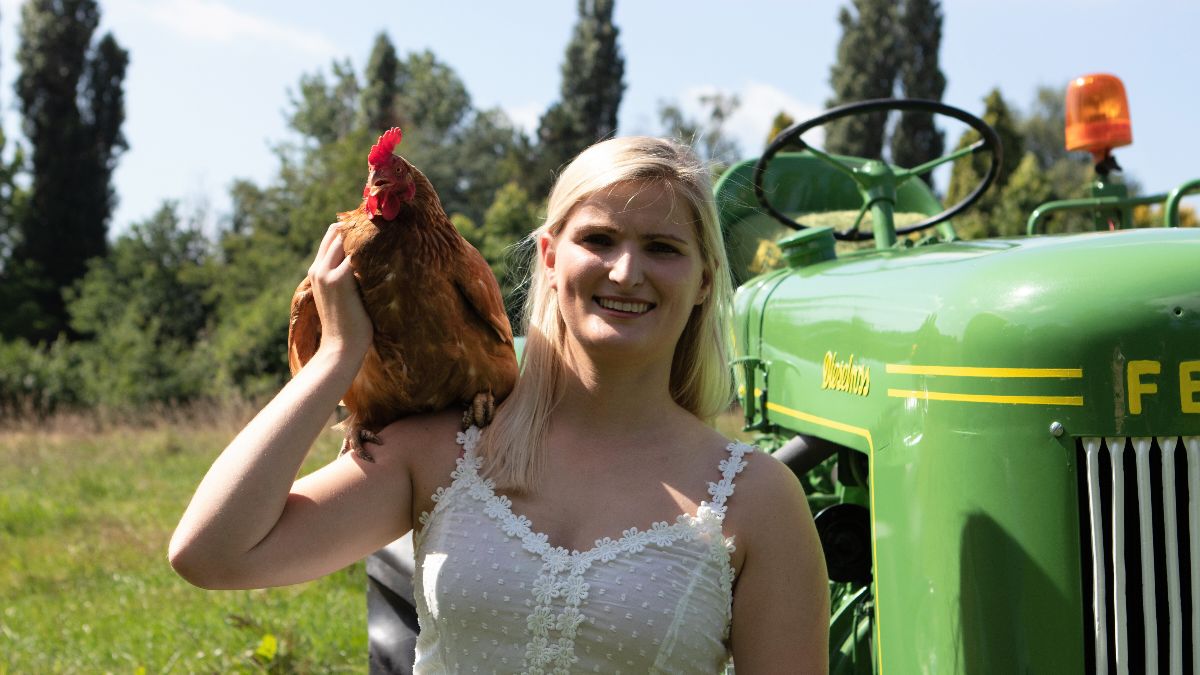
[1056, 429]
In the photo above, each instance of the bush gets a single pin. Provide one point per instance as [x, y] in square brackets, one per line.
[40, 381]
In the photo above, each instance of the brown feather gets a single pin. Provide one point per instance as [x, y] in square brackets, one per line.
[441, 334]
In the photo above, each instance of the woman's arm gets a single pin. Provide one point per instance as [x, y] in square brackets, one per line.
[247, 526]
[781, 600]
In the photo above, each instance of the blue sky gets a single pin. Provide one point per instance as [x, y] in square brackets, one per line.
[207, 89]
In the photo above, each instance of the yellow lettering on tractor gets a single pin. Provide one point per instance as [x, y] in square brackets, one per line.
[845, 375]
[1136, 387]
[1189, 386]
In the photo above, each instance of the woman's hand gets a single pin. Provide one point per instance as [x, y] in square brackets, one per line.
[345, 325]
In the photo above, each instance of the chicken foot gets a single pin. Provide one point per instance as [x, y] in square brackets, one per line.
[356, 440]
[479, 411]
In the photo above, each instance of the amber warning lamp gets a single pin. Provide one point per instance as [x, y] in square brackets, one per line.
[1097, 115]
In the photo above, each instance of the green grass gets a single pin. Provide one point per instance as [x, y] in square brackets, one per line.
[86, 511]
[85, 587]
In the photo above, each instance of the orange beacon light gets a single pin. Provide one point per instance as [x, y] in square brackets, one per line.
[1097, 115]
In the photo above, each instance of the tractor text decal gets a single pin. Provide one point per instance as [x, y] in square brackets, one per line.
[845, 376]
[1140, 381]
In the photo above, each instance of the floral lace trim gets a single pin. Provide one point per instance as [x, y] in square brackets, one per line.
[545, 652]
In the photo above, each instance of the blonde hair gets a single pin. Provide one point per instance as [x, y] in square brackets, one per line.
[700, 382]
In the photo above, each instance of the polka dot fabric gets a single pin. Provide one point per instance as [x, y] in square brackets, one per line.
[493, 596]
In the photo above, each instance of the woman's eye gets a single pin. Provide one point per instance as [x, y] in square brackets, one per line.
[663, 247]
[597, 239]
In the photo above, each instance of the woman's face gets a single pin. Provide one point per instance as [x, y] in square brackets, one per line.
[628, 272]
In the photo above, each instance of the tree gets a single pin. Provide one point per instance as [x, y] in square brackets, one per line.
[968, 171]
[781, 121]
[325, 111]
[592, 86]
[146, 309]
[866, 68]
[72, 100]
[378, 99]
[431, 96]
[916, 139]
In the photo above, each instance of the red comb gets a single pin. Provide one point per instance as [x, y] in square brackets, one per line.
[384, 146]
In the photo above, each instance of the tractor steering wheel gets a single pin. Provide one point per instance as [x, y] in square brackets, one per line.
[870, 181]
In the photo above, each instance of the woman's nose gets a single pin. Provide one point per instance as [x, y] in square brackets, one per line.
[626, 269]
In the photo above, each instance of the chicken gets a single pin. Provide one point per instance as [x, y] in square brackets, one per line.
[441, 334]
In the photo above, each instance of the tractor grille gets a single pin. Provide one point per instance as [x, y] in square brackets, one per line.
[1140, 526]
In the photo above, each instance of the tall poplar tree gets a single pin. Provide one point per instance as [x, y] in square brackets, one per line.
[72, 99]
[915, 139]
[378, 98]
[866, 68]
[592, 86]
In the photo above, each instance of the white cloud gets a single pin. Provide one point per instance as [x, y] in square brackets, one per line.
[214, 21]
[526, 116]
[759, 104]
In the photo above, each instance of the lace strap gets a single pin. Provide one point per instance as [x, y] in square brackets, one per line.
[730, 467]
[464, 478]
[468, 440]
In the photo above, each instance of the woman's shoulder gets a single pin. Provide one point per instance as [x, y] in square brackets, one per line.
[767, 496]
[425, 445]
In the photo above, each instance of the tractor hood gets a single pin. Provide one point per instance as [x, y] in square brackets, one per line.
[1093, 330]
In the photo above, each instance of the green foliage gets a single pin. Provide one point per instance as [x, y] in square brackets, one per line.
[866, 68]
[507, 246]
[916, 139]
[593, 83]
[968, 171]
[1036, 169]
[143, 309]
[324, 111]
[72, 101]
[431, 95]
[153, 270]
[781, 121]
[40, 380]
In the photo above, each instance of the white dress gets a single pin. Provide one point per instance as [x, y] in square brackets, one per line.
[493, 596]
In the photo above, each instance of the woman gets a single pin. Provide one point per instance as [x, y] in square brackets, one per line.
[591, 527]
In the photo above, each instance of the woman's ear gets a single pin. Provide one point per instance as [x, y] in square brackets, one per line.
[545, 245]
[705, 288]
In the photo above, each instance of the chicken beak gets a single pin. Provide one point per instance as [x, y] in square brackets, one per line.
[376, 183]
[378, 186]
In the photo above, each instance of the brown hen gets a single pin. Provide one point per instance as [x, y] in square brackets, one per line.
[441, 335]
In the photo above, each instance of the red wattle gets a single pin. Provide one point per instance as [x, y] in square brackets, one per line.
[391, 206]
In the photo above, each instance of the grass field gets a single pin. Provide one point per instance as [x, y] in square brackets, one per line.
[85, 517]
[86, 511]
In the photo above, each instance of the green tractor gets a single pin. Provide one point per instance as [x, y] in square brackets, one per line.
[1014, 423]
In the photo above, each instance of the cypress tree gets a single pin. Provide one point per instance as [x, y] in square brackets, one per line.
[378, 98]
[592, 85]
[866, 68]
[968, 171]
[72, 100]
[915, 139]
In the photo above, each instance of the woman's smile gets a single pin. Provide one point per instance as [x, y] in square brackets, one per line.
[629, 307]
